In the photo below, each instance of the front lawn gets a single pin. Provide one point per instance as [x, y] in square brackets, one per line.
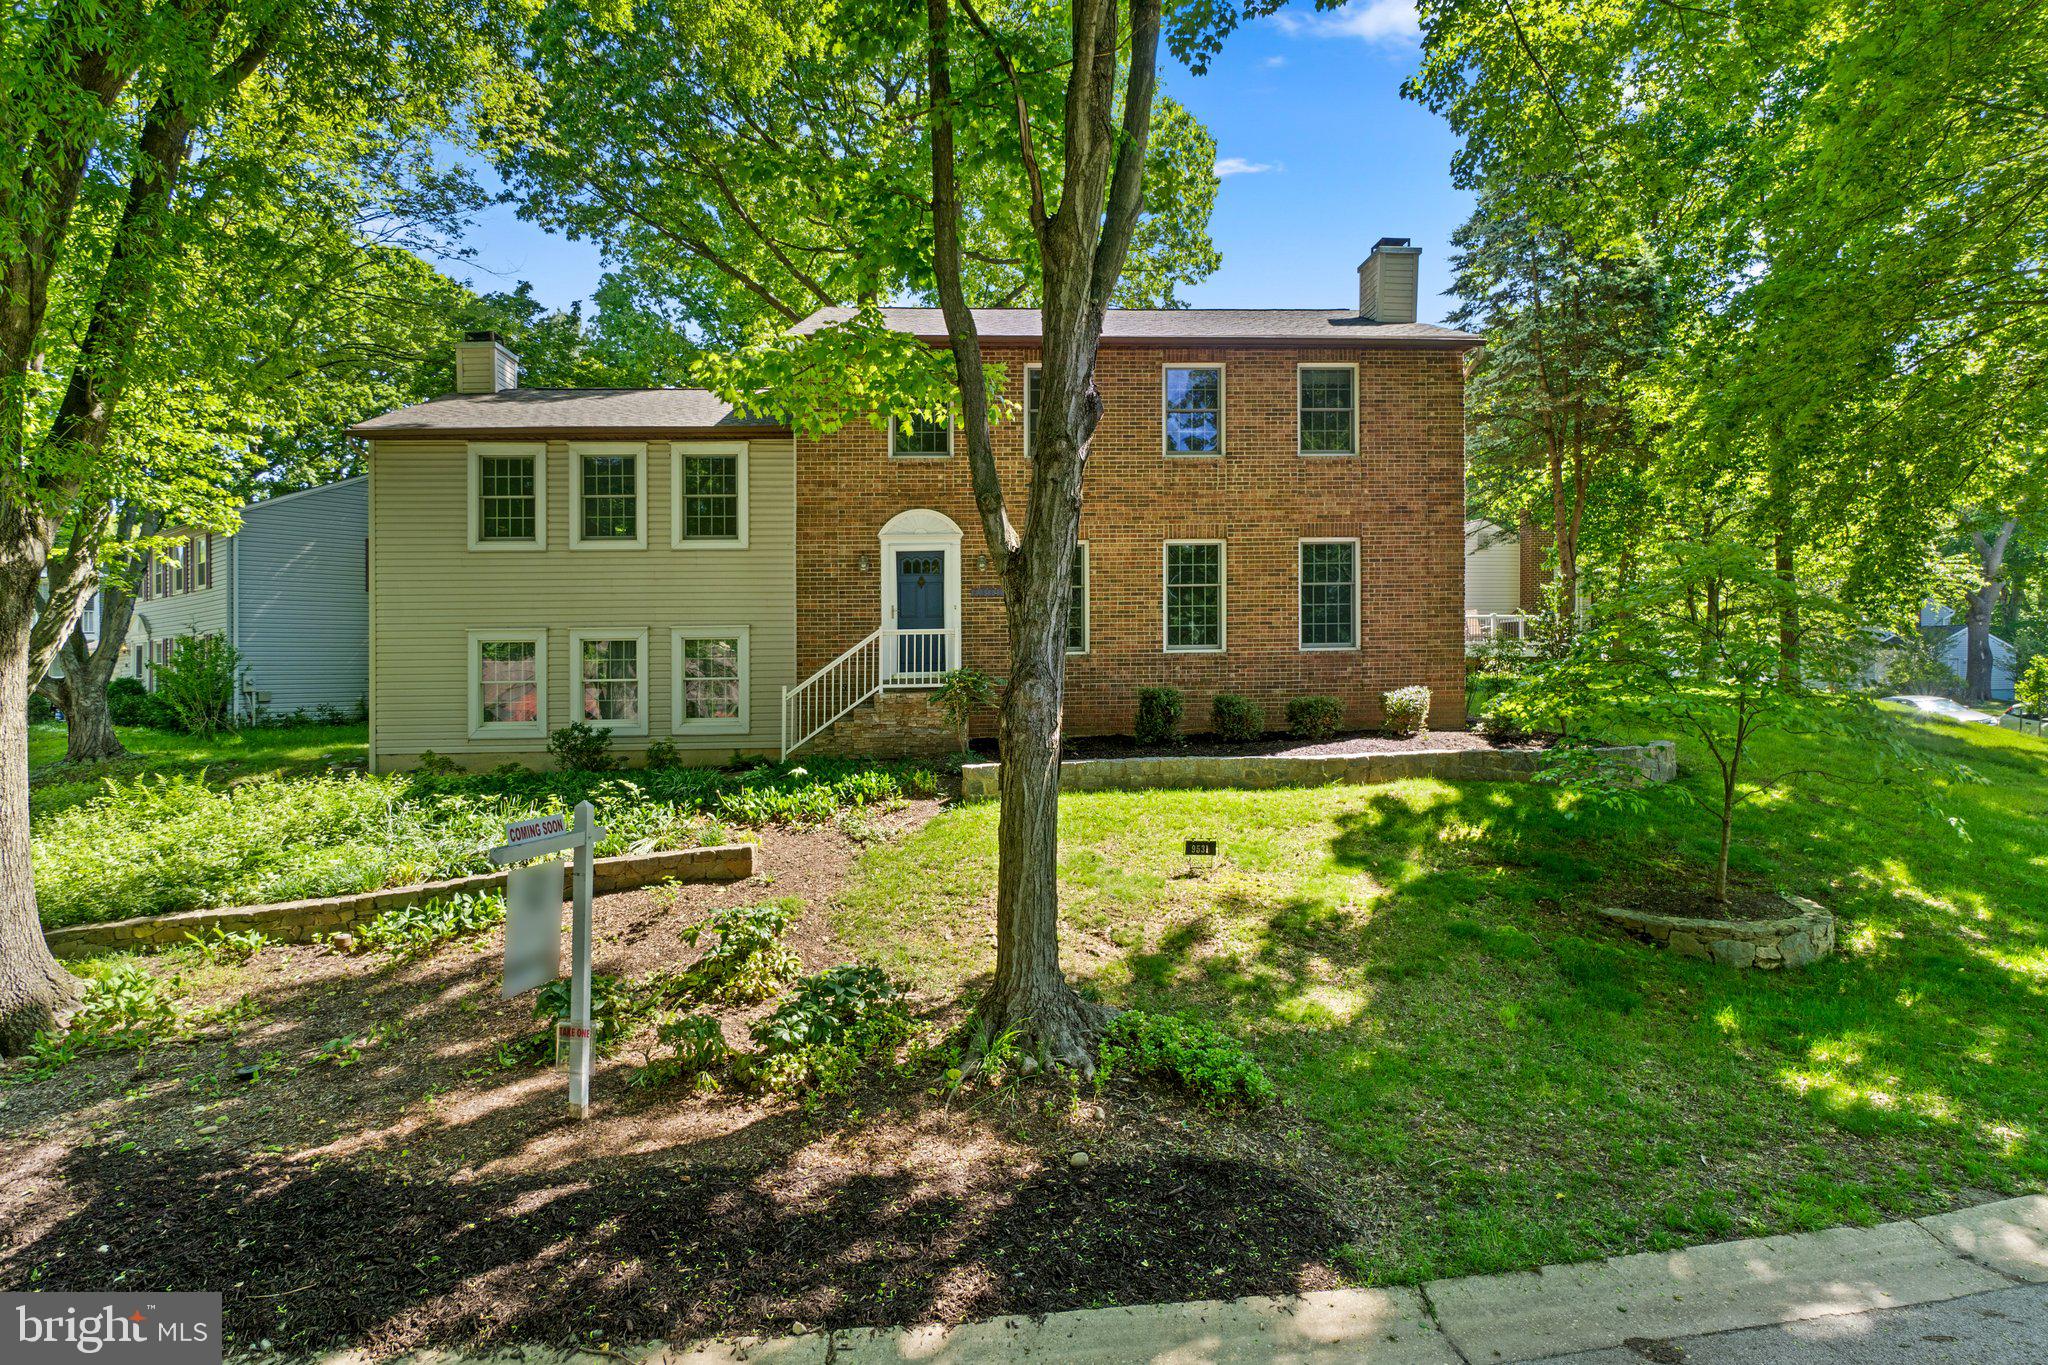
[1507, 1082]
[271, 815]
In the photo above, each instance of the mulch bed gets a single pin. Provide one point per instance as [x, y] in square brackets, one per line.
[435, 1194]
[1284, 746]
[1747, 903]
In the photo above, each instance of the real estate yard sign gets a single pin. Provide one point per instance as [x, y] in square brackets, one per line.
[533, 926]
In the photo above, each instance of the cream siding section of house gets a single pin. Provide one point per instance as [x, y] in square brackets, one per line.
[429, 591]
[203, 611]
[1493, 569]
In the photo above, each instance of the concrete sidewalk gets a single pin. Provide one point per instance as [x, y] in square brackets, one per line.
[1847, 1294]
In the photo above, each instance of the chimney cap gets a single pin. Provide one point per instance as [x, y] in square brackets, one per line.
[1389, 241]
[481, 336]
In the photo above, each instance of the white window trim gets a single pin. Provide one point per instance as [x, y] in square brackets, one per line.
[538, 452]
[1357, 573]
[677, 725]
[1222, 412]
[676, 452]
[1030, 370]
[1087, 607]
[576, 641]
[952, 425]
[579, 449]
[1350, 454]
[1222, 599]
[537, 728]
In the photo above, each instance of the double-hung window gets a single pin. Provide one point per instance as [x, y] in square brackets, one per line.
[508, 496]
[1193, 602]
[1329, 594]
[1328, 409]
[611, 679]
[610, 496]
[919, 438]
[1034, 380]
[1193, 409]
[1077, 604]
[508, 683]
[709, 504]
[711, 680]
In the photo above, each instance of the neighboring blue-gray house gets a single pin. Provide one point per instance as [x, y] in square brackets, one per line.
[289, 590]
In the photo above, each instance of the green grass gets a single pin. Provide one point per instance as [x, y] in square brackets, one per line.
[55, 785]
[1417, 967]
[280, 815]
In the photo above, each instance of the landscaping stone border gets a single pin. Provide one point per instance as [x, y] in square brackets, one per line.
[299, 921]
[1769, 944]
[1657, 761]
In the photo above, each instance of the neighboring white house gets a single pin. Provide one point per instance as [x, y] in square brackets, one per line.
[1948, 644]
[289, 590]
[1493, 581]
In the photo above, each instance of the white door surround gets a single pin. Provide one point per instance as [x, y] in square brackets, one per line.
[919, 529]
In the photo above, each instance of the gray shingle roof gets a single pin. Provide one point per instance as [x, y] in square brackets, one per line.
[1129, 326]
[564, 412]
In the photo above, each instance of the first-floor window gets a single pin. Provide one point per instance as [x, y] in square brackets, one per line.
[1194, 595]
[711, 680]
[611, 679]
[1077, 607]
[1329, 594]
[508, 683]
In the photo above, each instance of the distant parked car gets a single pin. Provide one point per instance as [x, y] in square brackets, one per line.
[1942, 708]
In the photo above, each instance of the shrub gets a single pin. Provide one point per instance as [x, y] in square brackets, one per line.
[835, 1024]
[1159, 714]
[2033, 689]
[583, 748]
[696, 1047]
[436, 765]
[408, 930]
[197, 683]
[960, 694]
[41, 710]
[749, 962]
[1198, 1057]
[1405, 711]
[662, 755]
[1314, 718]
[130, 703]
[1236, 718]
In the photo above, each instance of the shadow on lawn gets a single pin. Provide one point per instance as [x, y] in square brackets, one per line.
[372, 1255]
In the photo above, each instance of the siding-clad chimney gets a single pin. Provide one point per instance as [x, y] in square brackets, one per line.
[1387, 281]
[483, 365]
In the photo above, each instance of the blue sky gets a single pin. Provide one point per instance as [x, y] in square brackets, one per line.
[1320, 157]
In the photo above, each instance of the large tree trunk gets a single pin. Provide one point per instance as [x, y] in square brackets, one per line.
[1977, 661]
[33, 988]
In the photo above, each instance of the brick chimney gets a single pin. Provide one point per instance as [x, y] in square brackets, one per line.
[483, 365]
[1387, 281]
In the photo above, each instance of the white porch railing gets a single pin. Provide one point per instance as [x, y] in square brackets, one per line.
[887, 658]
[1491, 625]
[825, 696]
[918, 658]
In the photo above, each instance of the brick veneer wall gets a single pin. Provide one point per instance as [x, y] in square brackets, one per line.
[1402, 496]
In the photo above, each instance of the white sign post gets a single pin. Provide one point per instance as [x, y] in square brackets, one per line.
[533, 931]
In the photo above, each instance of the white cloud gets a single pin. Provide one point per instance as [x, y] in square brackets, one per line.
[1388, 23]
[1237, 165]
[1273, 63]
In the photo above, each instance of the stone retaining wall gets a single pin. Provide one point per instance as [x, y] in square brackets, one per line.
[299, 921]
[1657, 761]
[1799, 938]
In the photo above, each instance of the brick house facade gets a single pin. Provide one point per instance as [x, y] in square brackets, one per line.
[1286, 486]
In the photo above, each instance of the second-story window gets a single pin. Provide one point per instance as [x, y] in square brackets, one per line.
[1329, 409]
[610, 497]
[1194, 409]
[508, 497]
[1034, 380]
[201, 560]
[918, 438]
[709, 501]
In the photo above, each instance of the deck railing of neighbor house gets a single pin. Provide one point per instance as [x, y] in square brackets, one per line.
[1491, 625]
[832, 691]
